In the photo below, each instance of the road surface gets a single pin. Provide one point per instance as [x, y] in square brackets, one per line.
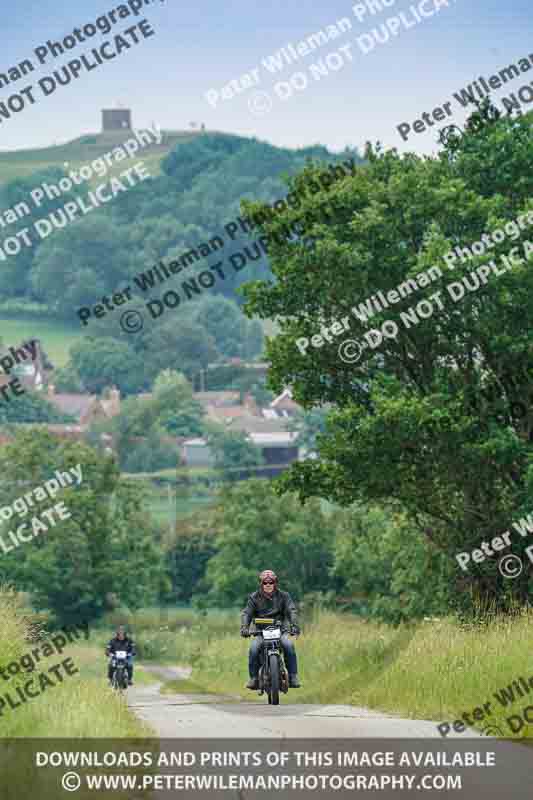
[186, 718]
[198, 716]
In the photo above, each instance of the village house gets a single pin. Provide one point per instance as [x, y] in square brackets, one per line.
[264, 427]
[85, 408]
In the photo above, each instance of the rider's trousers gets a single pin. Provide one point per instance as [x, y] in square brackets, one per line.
[289, 652]
[129, 668]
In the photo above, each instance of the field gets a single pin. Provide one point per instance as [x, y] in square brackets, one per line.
[56, 336]
[166, 507]
[168, 502]
[22, 163]
[435, 670]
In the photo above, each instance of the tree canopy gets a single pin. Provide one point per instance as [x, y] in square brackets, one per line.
[401, 430]
[106, 548]
[209, 330]
[30, 407]
[145, 431]
[200, 190]
[234, 453]
[257, 530]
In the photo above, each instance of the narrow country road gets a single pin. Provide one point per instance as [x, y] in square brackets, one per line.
[199, 716]
[188, 717]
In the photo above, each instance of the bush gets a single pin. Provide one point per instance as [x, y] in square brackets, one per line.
[150, 455]
[66, 379]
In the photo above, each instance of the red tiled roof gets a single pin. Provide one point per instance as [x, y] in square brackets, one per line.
[227, 412]
[76, 404]
[218, 399]
[250, 423]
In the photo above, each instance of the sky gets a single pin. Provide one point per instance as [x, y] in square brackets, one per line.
[202, 46]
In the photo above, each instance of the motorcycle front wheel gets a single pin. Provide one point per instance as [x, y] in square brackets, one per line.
[273, 694]
[120, 680]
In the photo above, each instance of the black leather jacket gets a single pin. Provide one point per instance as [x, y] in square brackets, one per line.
[121, 644]
[279, 606]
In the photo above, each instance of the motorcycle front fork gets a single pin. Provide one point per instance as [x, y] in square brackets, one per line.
[284, 678]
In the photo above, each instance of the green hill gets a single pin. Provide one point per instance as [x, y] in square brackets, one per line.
[22, 163]
[198, 183]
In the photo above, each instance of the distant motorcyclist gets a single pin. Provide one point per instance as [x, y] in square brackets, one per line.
[269, 601]
[121, 642]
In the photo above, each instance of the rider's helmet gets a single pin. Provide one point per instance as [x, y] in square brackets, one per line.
[267, 574]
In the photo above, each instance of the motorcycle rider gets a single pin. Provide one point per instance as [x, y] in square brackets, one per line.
[269, 601]
[121, 642]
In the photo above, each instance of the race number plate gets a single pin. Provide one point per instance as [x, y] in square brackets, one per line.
[273, 634]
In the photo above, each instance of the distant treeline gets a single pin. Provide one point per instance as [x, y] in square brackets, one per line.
[201, 188]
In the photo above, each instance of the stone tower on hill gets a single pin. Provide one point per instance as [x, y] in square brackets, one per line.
[116, 119]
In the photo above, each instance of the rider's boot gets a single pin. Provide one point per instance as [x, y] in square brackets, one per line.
[253, 683]
[294, 683]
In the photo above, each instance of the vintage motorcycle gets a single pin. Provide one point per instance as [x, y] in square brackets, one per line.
[119, 661]
[273, 676]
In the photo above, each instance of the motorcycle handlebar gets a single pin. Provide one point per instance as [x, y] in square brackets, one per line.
[248, 635]
[111, 655]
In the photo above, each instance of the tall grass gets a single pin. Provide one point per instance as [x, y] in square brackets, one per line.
[335, 653]
[435, 670]
[448, 669]
[80, 707]
[172, 635]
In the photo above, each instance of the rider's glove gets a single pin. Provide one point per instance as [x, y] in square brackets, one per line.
[244, 631]
[295, 630]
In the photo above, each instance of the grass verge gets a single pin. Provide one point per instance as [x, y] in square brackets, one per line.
[435, 670]
[78, 707]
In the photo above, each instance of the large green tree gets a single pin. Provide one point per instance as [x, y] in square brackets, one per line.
[235, 455]
[401, 429]
[256, 530]
[233, 334]
[145, 430]
[187, 555]
[107, 549]
[174, 406]
[382, 563]
[30, 407]
[179, 344]
[99, 255]
[201, 332]
[102, 362]
[16, 270]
